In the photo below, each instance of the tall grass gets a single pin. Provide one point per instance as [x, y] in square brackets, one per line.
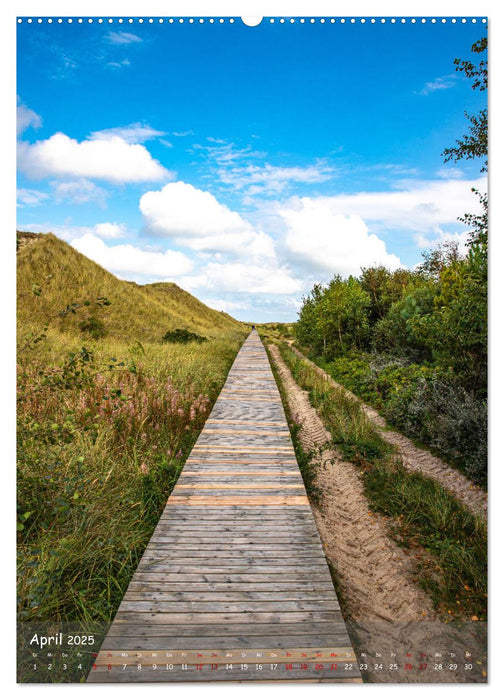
[355, 435]
[450, 541]
[103, 433]
[306, 460]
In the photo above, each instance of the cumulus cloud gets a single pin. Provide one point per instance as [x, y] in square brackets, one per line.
[197, 220]
[132, 133]
[244, 278]
[415, 205]
[131, 262]
[26, 117]
[112, 159]
[323, 241]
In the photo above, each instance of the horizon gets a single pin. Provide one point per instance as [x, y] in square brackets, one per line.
[241, 184]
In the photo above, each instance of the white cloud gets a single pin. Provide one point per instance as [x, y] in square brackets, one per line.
[437, 84]
[233, 167]
[112, 159]
[133, 263]
[26, 117]
[106, 229]
[30, 198]
[123, 38]
[110, 230]
[233, 257]
[448, 173]
[270, 179]
[416, 205]
[225, 304]
[440, 236]
[322, 241]
[132, 133]
[79, 191]
[119, 64]
[195, 219]
[244, 278]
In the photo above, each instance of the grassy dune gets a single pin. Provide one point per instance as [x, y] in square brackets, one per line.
[136, 312]
[104, 423]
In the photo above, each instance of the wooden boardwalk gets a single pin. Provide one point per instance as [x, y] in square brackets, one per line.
[233, 584]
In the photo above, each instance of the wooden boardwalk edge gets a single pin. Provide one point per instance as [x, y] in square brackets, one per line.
[233, 585]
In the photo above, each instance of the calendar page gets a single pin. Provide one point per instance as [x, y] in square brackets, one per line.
[252, 263]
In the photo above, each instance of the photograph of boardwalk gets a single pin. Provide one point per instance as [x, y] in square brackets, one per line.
[252, 412]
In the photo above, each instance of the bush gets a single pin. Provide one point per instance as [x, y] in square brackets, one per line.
[182, 335]
[424, 403]
[94, 327]
[445, 416]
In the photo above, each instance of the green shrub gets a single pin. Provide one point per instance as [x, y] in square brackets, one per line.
[93, 327]
[182, 335]
[445, 416]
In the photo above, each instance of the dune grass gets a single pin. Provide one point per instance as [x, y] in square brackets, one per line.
[100, 446]
[51, 275]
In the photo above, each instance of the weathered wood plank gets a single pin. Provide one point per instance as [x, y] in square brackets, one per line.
[235, 606]
[146, 593]
[148, 630]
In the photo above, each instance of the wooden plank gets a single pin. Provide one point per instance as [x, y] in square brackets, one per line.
[146, 594]
[235, 606]
[276, 583]
[217, 486]
[143, 642]
[148, 630]
[272, 500]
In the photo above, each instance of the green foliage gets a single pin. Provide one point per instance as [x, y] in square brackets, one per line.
[424, 403]
[335, 319]
[442, 414]
[94, 327]
[182, 335]
[400, 332]
[475, 143]
[384, 288]
[103, 429]
[356, 437]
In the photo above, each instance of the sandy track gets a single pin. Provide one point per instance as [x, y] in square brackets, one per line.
[390, 612]
[416, 459]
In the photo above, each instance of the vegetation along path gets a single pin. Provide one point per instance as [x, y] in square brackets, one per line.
[386, 610]
[417, 459]
[234, 584]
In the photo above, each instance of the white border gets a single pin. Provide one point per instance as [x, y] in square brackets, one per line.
[228, 8]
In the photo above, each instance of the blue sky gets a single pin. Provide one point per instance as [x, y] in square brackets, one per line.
[245, 163]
